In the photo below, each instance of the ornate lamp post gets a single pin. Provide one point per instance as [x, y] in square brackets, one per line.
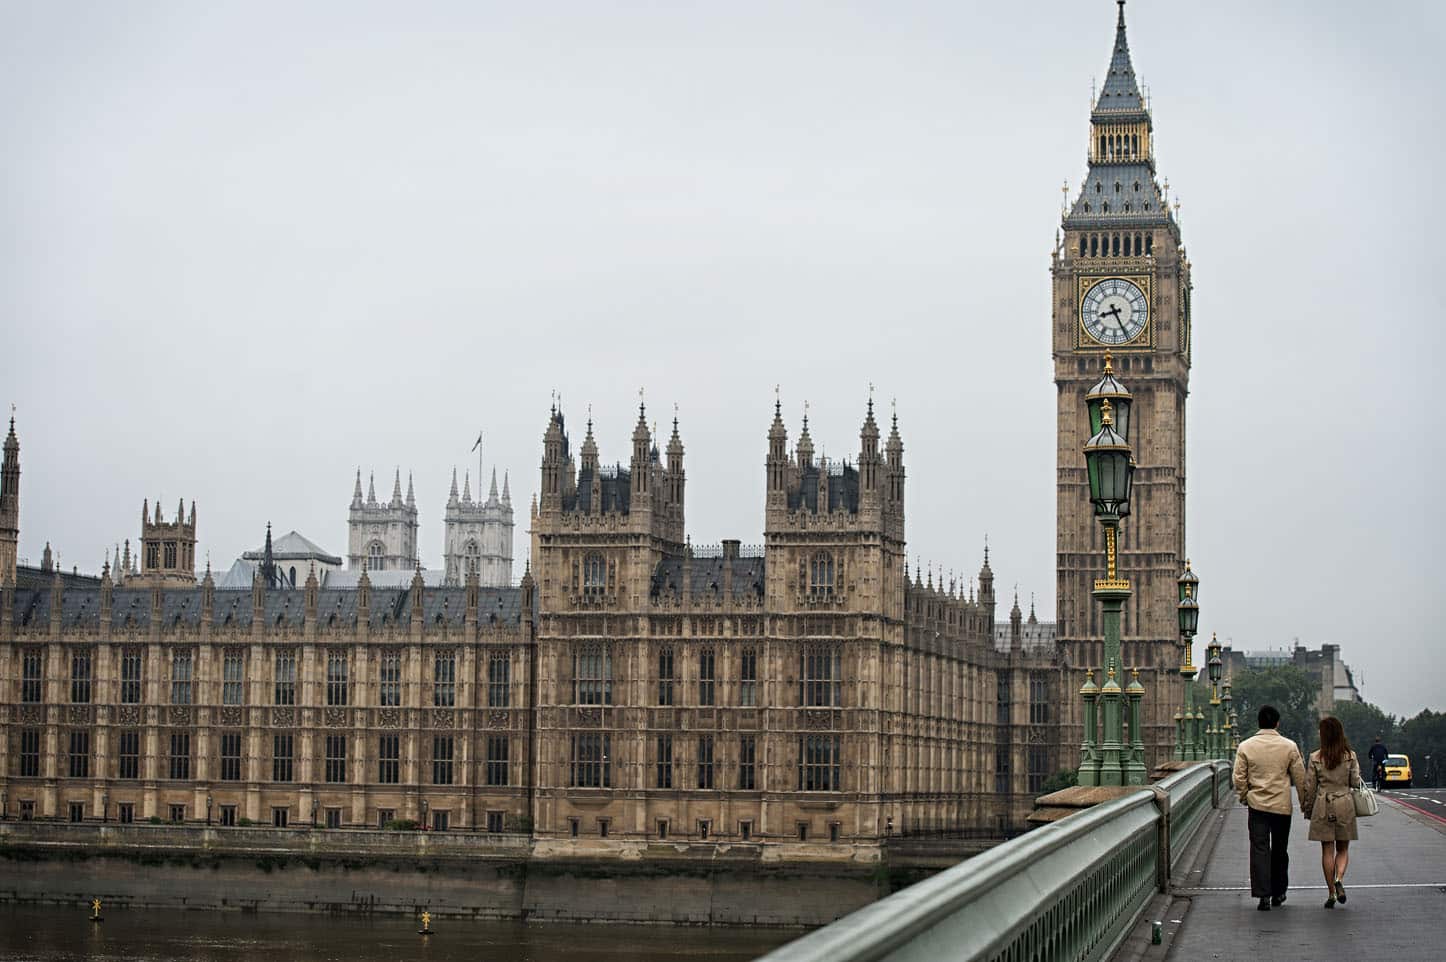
[1213, 740]
[1189, 614]
[1228, 739]
[1111, 470]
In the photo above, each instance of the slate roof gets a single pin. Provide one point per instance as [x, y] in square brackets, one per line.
[1146, 206]
[706, 577]
[293, 546]
[616, 489]
[1121, 92]
[843, 490]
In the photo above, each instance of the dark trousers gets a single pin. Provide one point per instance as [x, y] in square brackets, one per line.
[1269, 856]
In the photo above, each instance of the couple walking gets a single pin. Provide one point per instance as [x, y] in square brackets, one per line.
[1267, 764]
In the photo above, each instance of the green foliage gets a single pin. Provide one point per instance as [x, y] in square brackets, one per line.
[154, 820]
[1290, 689]
[1062, 779]
[245, 822]
[401, 825]
[521, 824]
[1362, 722]
[1420, 737]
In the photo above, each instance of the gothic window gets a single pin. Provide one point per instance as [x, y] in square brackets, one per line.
[336, 677]
[499, 678]
[181, 663]
[442, 753]
[291, 575]
[706, 662]
[284, 692]
[336, 758]
[665, 762]
[1117, 187]
[30, 753]
[389, 694]
[376, 556]
[230, 756]
[820, 677]
[1137, 186]
[1149, 239]
[389, 752]
[1094, 241]
[130, 676]
[444, 679]
[80, 676]
[748, 677]
[80, 754]
[1081, 245]
[591, 767]
[498, 752]
[282, 748]
[1001, 771]
[30, 685]
[1038, 700]
[665, 676]
[705, 761]
[819, 761]
[1001, 699]
[233, 662]
[1105, 208]
[170, 555]
[592, 672]
[1098, 187]
[180, 756]
[130, 754]
[594, 574]
[747, 758]
[1038, 767]
[820, 574]
[153, 555]
[471, 558]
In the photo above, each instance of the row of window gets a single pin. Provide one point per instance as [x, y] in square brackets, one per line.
[233, 673]
[1038, 761]
[437, 820]
[820, 677]
[1116, 245]
[283, 753]
[820, 762]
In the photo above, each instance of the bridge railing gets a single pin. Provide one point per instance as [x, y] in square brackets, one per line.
[1065, 892]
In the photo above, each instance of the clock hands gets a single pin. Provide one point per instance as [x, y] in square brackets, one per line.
[1115, 313]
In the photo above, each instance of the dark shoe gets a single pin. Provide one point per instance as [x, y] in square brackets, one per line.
[1340, 892]
[1330, 902]
[1277, 900]
[1264, 905]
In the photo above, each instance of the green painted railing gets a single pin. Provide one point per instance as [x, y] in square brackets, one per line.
[1067, 892]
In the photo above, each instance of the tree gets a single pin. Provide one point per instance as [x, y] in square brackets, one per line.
[1422, 737]
[1363, 722]
[1291, 690]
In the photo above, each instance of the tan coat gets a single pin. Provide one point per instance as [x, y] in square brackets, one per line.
[1328, 799]
[1266, 765]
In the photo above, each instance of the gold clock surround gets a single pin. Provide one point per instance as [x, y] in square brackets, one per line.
[1145, 340]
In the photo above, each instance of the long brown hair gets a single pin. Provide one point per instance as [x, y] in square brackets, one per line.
[1333, 744]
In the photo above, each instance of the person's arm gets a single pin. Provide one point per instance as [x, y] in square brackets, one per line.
[1297, 775]
[1308, 790]
[1240, 775]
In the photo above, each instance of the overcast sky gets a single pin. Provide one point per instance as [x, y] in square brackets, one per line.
[249, 247]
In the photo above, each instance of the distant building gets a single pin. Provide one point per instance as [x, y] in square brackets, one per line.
[1337, 681]
[294, 556]
[382, 535]
[478, 535]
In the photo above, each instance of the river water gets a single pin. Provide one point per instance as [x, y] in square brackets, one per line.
[59, 934]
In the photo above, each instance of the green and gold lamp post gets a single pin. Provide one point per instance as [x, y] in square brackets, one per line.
[1189, 614]
[1214, 740]
[1228, 737]
[1110, 469]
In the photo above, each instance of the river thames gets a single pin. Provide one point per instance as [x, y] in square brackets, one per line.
[55, 934]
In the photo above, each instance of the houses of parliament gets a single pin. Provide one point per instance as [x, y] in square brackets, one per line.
[811, 696]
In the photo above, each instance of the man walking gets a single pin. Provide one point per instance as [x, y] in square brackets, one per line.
[1267, 764]
[1378, 755]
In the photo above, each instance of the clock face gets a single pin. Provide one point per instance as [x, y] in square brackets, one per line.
[1114, 311]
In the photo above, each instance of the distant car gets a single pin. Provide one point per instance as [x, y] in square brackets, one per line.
[1398, 771]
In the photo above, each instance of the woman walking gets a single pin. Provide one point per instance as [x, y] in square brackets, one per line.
[1329, 777]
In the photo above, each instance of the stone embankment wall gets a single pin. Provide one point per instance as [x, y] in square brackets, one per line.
[452, 874]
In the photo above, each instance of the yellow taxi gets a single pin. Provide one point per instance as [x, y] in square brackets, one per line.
[1398, 771]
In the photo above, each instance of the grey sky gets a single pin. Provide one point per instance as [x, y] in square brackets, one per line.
[249, 247]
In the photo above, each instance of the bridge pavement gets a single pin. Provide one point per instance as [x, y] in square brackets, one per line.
[1396, 886]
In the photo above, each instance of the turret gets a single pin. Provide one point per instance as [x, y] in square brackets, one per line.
[1016, 625]
[452, 499]
[777, 462]
[10, 506]
[675, 467]
[589, 449]
[642, 457]
[805, 444]
[356, 494]
[869, 461]
[396, 501]
[554, 453]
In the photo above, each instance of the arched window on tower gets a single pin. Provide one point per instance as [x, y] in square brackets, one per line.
[594, 574]
[471, 558]
[1094, 245]
[1081, 245]
[820, 574]
[376, 556]
[1149, 243]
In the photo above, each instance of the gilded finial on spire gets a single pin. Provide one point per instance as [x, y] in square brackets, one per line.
[1109, 362]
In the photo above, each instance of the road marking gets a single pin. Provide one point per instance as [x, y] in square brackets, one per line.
[1417, 808]
[1357, 885]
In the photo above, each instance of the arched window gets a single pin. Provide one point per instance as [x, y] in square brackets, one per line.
[594, 574]
[592, 675]
[1098, 187]
[1081, 245]
[820, 574]
[1118, 188]
[1105, 206]
[1149, 243]
[1094, 245]
[292, 575]
[471, 558]
[376, 556]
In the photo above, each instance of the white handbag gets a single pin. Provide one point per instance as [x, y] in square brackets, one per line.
[1365, 800]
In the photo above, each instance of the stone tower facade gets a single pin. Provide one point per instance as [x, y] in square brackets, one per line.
[1121, 284]
[10, 507]
[168, 548]
[478, 535]
[382, 536]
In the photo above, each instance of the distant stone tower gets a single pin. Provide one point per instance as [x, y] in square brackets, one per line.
[9, 506]
[382, 536]
[478, 535]
[168, 548]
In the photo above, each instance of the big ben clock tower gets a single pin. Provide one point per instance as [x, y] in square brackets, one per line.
[1122, 285]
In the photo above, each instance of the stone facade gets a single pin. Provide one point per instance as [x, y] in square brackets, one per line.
[168, 548]
[382, 535]
[1120, 227]
[478, 535]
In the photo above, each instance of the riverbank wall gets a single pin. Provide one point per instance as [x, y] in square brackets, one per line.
[497, 876]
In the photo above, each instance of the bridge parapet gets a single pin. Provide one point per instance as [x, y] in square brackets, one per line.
[1070, 890]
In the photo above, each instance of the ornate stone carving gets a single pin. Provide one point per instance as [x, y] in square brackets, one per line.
[389, 718]
[31, 714]
[818, 720]
[232, 714]
[589, 716]
[443, 718]
[180, 715]
[335, 717]
[79, 715]
[497, 719]
[129, 714]
[283, 717]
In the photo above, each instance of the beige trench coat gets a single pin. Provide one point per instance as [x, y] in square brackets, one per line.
[1328, 798]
